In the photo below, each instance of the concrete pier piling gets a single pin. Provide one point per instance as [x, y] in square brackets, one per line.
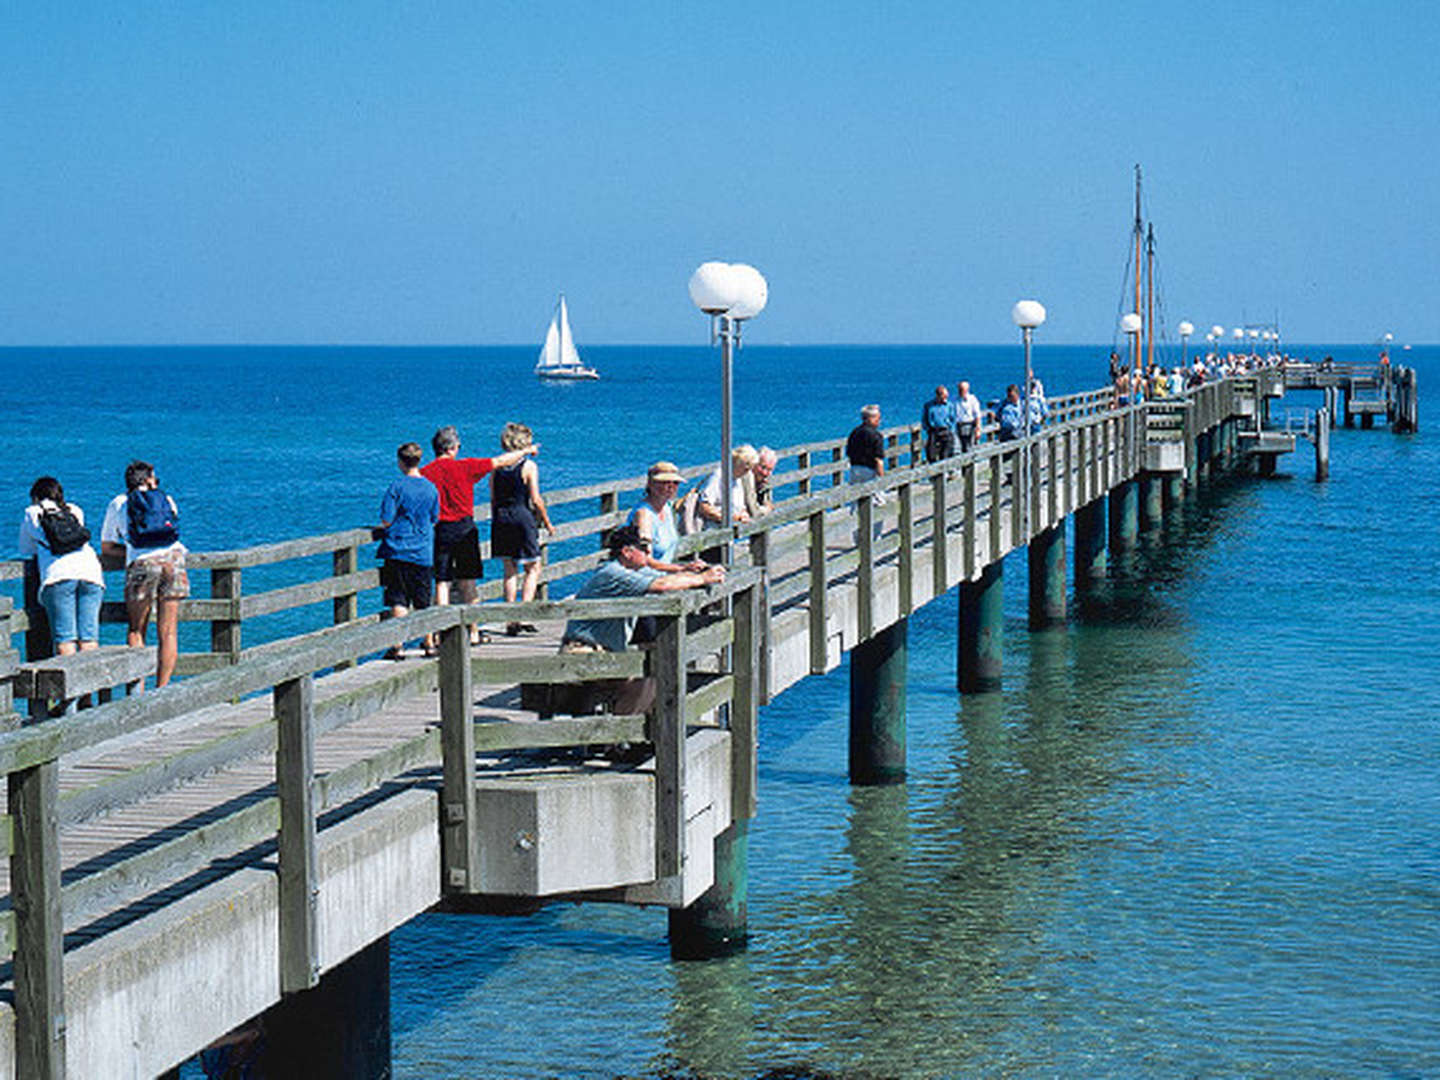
[1174, 492]
[337, 1030]
[1047, 577]
[1124, 515]
[717, 924]
[981, 633]
[877, 706]
[1090, 558]
[1322, 445]
[1152, 501]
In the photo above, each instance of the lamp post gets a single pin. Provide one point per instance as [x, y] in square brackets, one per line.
[1026, 314]
[1186, 329]
[729, 294]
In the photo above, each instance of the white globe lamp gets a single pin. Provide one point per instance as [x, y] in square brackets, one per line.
[1028, 314]
[714, 287]
[752, 291]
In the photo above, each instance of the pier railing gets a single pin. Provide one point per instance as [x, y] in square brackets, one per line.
[702, 664]
[297, 576]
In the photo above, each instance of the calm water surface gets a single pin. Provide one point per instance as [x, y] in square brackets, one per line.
[1194, 834]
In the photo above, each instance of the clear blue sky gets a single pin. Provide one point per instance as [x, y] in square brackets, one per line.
[901, 172]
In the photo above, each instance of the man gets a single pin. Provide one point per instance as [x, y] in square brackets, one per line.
[154, 561]
[409, 511]
[759, 499]
[457, 540]
[937, 419]
[710, 510]
[1012, 416]
[625, 574]
[968, 412]
[865, 448]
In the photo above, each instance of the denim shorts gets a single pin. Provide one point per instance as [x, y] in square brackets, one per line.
[74, 610]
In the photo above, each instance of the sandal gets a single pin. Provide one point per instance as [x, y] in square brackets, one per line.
[479, 637]
[513, 629]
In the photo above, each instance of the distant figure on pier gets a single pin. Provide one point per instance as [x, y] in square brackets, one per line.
[865, 447]
[968, 414]
[517, 513]
[1012, 415]
[654, 520]
[457, 539]
[409, 511]
[68, 573]
[758, 497]
[1116, 367]
[937, 419]
[710, 508]
[627, 573]
[142, 528]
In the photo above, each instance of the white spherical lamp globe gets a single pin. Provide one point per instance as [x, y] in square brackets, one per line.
[1186, 329]
[714, 288]
[1217, 330]
[751, 291]
[1239, 334]
[1028, 314]
[1389, 337]
[1130, 324]
[1254, 334]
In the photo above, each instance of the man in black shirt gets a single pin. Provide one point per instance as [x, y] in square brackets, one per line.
[865, 448]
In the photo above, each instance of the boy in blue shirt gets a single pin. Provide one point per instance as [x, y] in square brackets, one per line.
[408, 512]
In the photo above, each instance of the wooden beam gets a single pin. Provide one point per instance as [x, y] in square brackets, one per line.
[460, 842]
[745, 701]
[667, 668]
[906, 561]
[819, 613]
[939, 532]
[865, 578]
[39, 927]
[295, 783]
[225, 633]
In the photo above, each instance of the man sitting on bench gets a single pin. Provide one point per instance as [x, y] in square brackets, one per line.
[626, 574]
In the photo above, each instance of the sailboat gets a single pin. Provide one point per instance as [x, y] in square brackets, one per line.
[558, 359]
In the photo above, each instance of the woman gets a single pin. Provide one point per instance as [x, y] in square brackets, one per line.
[515, 506]
[655, 519]
[71, 583]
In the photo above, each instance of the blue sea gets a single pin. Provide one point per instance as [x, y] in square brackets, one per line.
[1194, 834]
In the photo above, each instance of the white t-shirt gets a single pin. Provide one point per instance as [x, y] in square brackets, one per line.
[967, 409]
[117, 524]
[710, 494]
[82, 564]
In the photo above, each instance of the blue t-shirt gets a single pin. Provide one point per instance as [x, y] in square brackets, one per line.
[411, 506]
[938, 415]
[610, 579]
[665, 537]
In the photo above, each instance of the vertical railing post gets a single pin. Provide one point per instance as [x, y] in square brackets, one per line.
[343, 562]
[940, 531]
[746, 655]
[459, 839]
[667, 722]
[609, 503]
[1017, 499]
[760, 559]
[819, 597]
[802, 463]
[997, 483]
[837, 477]
[225, 633]
[865, 574]
[906, 566]
[969, 554]
[39, 972]
[295, 783]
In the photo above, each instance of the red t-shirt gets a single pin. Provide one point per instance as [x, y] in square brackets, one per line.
[456, 479]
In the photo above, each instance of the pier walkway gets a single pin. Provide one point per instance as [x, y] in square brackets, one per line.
[242, 842]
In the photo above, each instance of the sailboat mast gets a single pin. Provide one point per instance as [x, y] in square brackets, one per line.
[1150, 297]
[1139, 236]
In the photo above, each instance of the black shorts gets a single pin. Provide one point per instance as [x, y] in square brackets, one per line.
[457, 551]
[406, 584]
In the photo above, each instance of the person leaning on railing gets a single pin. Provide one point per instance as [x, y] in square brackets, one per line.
[625, 574]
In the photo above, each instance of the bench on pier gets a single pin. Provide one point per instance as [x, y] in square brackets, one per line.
[67, 679]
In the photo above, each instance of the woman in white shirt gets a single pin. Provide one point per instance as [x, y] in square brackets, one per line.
[71, 582]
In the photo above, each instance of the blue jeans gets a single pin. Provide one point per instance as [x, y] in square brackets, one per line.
[74, 610]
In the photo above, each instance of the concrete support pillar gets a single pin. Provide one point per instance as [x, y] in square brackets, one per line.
[1090, 544]
[1265, 464]
[1047, 577]
[981, 631]
[717, 924]
[338, 1029]
[1124, 515]
[1367, 421]
[1174, 492]
[1152, 501]
[877, 707]
[1322, 445]
[1349, 416]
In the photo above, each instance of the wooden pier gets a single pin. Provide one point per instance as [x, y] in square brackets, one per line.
[242, 842]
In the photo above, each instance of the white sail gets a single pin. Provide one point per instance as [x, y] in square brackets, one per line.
[559, 358]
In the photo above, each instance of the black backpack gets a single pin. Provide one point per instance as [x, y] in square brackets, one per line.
[151, 519]
[62, 529]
